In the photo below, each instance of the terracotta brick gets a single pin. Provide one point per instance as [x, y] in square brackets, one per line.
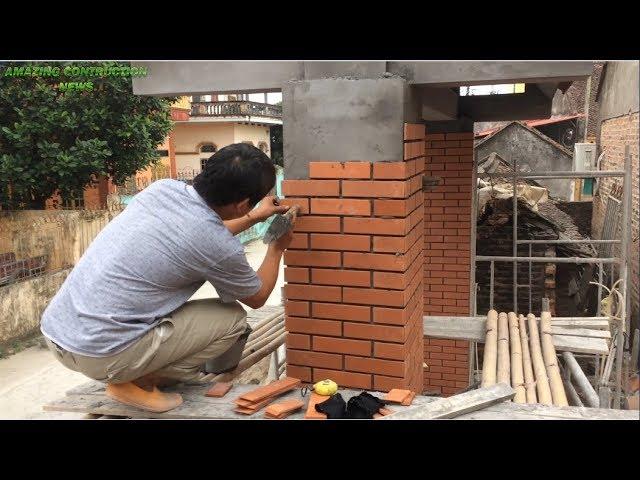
[311, 188]
[313, 292]
[392, 170]
[312, 259]
[376, 261]
[390, 244]
[339, 170]
[300, 240]
[298, 341]
[383, 383]
[332, 206]
[374, 332]
[314, 359]
[298, 309]
[296, 275]
[396, 281]
[395, 316]
[376, 226]
[334, 311]
[303, 203]
[354, 278]
[371, 296]
[414, 131]
[374, 365]
[313, 326]
[341, 345]
[361, 243]
[392, 208]
[303, 373]
[317, 224]
[394, 351]
[219, 389]
[344, 379]
[375, 189]
[460, 136]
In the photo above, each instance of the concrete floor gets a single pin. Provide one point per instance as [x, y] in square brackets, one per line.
[32, 377]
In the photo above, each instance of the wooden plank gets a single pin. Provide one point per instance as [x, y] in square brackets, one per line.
[567, 343]
[580, 332]
[457, 405]
[590, 324]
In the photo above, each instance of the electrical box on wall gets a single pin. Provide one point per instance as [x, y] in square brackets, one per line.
[584, 157]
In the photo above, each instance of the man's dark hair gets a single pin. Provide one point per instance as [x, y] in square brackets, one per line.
[233, 173]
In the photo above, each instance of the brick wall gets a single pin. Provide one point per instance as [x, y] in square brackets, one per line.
[615, 133]
[447, 242]
[354, 272]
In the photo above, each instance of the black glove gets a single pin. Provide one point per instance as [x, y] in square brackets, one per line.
[364, 405]
[333, 407]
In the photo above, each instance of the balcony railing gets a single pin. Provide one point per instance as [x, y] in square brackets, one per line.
[235, 108]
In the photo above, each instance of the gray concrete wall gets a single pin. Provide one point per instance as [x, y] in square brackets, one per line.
[531, 153]
[342, 120]
[22, 304]
[619, 90]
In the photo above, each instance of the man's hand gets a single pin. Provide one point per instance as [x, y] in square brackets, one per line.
[284, 241]
[266, 208]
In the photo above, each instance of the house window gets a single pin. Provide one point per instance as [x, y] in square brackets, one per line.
[501, 89]
[208, 148]
[162, 153]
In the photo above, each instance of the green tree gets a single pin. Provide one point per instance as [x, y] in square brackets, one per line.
[63, 141]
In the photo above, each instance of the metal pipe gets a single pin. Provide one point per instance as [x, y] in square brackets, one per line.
[581, 381]
[515, 237]
[567, 241]
[497, 258]
[491, 286]
[472, 237]
[530, 281]
[452, 318]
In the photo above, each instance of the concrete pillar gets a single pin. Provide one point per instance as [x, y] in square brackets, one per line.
[354, 271]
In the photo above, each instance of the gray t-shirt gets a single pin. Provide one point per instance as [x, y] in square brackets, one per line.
[144, 264]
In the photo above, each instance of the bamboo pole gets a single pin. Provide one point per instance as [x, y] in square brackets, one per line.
[517, 370]
[490, 350]
[261, 342]
[529, 380]
[551, 362]
[542, 381]
[504, 373]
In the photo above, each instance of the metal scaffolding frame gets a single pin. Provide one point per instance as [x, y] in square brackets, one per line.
[622, 261]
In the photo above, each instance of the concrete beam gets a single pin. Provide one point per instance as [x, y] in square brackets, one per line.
[170, 78]
[521, 106]
[457, 73]
[313, 70]
[342, 120]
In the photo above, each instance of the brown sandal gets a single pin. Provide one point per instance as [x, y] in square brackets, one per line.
[154, 401]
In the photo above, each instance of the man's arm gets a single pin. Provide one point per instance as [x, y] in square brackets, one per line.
[265, 209]
[268, 271]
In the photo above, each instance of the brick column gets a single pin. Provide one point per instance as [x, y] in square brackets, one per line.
[447, 228]
[354, 272]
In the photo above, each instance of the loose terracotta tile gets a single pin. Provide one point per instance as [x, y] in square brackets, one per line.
[274, 388]
[383, 412]
[283, 409]
[407, 401]
[397, 395]
[220, 389]
[250, 410]
[312, 414]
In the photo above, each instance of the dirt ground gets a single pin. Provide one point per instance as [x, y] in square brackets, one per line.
[33, 377]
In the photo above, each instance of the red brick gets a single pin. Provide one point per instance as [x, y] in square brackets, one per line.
[311, 188]
[313, 292]
[312, 259]
[383, 383]
[374, 332]
[371, 296]
[395, 351]
[392, 208]
[376, 226]
[413, 131]
[317, 224]
[303, 373]
[396, 281]
[339, 170]
[375, 261]
[321, 241]
[354, 313]
[303, 203]
[391, 170]
[374, 365]
[395, 316]
[300, 240]
[344, 379]
[341, 345]
[296, 275]
[390, 244]
[429, 137]
[340, 277]
[314, 359]
[298, 341]
[375, 189]
[298, 309]
[340, 206]
[313, 326]
[460, 136]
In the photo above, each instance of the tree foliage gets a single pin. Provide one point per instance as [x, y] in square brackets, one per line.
[63, 141]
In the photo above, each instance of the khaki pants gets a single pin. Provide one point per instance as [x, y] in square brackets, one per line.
[176, 349]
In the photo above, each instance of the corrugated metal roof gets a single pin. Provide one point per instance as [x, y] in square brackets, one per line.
[533, 123]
